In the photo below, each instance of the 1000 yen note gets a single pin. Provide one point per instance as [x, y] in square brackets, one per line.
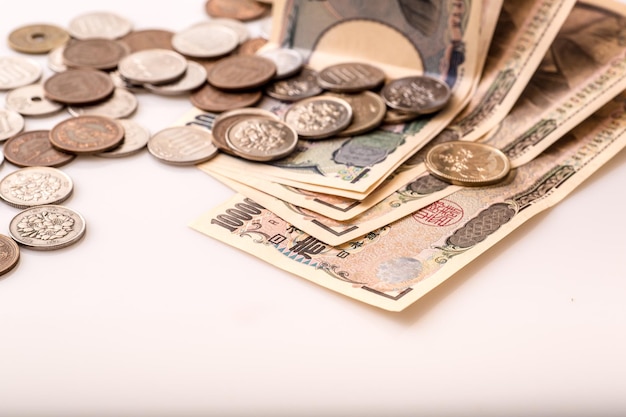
[395, 265]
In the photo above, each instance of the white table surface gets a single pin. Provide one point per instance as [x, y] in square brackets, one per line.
[147, 317]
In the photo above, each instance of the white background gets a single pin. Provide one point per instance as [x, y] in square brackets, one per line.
[147, 317]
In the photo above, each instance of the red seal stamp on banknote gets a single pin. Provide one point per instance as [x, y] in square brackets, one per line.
[441, 213]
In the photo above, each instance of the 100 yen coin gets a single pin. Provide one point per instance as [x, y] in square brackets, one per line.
[261, 138]
[47, 227]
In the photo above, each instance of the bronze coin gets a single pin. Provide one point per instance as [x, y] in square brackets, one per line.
[251, 46]
[243, 10]
[140, 40]
[9, 254]
[418, 94]
[87, 134]
[211, 99]
[37, 39]
[467, 163]
[95, 53]
[79, 86]
[207, 63]
[350, 77]
[33, 148]
[241, 72]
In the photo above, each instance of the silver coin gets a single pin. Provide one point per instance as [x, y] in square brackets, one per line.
[30, 100]
[238, 26]
[121, 82]
[17, 71]
[152, 66]
[225, 120]
[295, 88]
[205, 41]
[99, 25]
[47, 227]
[121, 104]
[182, 145]
[350, 77]
[11, 123]
[261, 138]
[135, 139]
[194, 77]
[418, 94]
[35, 186]
[55, 59]
[288, 61]
[319, 117]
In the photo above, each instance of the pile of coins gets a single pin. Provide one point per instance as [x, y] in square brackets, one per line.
[99, 62]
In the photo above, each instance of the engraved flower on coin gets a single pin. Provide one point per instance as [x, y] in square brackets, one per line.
[262, 137]
[35, 187]
[45, 226]
[317, 116]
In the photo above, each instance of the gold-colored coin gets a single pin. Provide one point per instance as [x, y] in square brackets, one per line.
[37, 38]
[467, 163]
[368, 111]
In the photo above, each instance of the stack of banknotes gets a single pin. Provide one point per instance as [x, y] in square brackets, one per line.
[541, 80]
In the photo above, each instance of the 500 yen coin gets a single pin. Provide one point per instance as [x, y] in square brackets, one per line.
[467, 163]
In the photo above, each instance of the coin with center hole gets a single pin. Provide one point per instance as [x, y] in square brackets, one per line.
[37, 38]
[30, 100]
